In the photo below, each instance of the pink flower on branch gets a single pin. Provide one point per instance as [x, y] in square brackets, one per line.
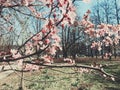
[69, 61]
[44, 31]
[47, 41]
[56, 38]
[27, 2]
[20, 63]
[34, 12]
[31, 67]
[59, 14]
[52, 50]
[47, 59]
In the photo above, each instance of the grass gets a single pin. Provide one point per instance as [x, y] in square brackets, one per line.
[65, 79]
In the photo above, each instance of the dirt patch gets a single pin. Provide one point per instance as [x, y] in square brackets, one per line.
[86, 60]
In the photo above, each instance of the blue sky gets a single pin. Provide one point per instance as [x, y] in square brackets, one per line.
[82, 7]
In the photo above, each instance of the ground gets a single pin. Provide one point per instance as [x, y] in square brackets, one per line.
[65, 78]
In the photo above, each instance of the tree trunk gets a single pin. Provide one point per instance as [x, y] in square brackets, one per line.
[65, 55]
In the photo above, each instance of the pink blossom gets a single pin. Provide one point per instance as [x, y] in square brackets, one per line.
[54, 31]
[49, 24]
[43, 46]
[4, 57]
[2, 1]
[68, 60]
[29, 44]
[25, 2]
[64, 22]
[109, 26]
[40, 42]
[2, 53]
[31, 67]
[108, 40]
[56, 38]
[28, 50]
[71, 18]
[90, 25]
[52, 50]
[35, 43]
[106, 55]
[91, 32]
[63, 2]
[10, 28]
[101, 32]
[47, 59]
[99, 46]
[116, 40]
[20, 62]
[5, 3]
[114, 28]
[47, 2]
[101, 26]
[43, 31]
[47, 41]
[93, 45]
[37, 37]
[31, 1]
[104, 75]
[37, 15]
[83, 22]
[28, 67]
[35, 67]
[57, 45]
[62, 10]
[13, 51]
[113, 79]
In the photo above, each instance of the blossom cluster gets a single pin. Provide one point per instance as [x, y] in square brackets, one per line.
[58, 15]
[105, 33]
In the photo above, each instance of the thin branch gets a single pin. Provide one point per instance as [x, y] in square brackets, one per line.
[20, 5]
[23, 57]
[63, 16]
[75, 66]
[1, 16]
[25, 13]
[61, 66]
[42, 81]
[21, 12]
[32, 37]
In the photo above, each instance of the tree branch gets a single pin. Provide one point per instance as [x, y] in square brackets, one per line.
[23, 57]
[75, 66]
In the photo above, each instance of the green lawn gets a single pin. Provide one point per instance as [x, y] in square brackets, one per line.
[84, 81]
[66, 79]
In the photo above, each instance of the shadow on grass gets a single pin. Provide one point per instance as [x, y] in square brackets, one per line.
[114, 70]
[112, 88]
[107, 83]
